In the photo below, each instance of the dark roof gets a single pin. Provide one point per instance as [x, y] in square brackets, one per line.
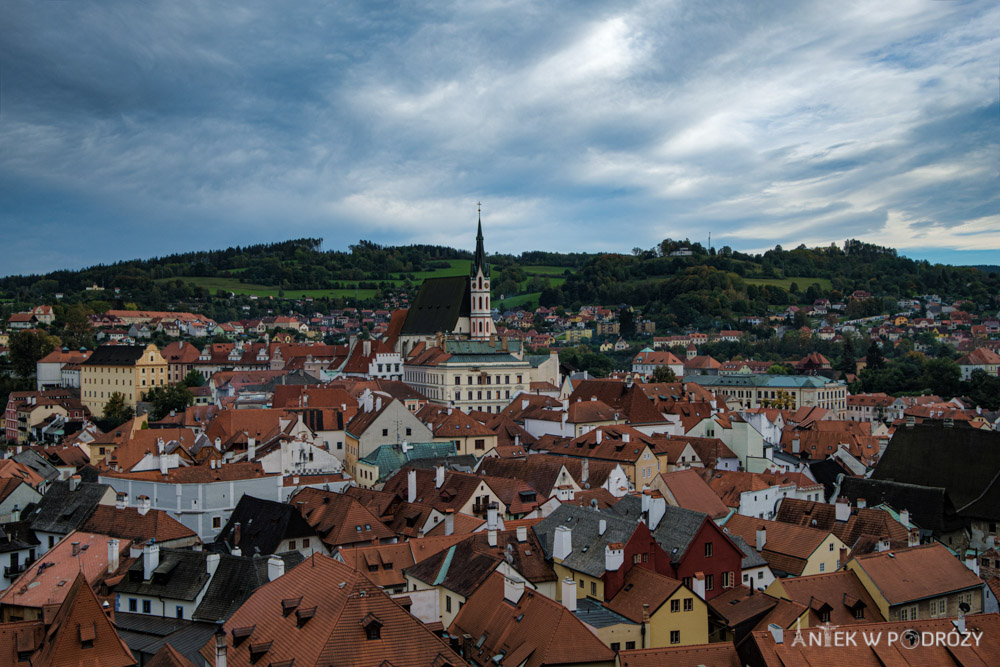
[38, 463]
[966, 462]
[825, 472]
[588, 545]
[438, 305]
[180, 576]
[675, 530]
[263, 525]
[62, 511]
[460, 568]
[115, 355]
[147, 635]
[930, 507]
[235, 580]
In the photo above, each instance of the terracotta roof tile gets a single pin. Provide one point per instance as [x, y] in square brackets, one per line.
[128, 524]
[916, 573]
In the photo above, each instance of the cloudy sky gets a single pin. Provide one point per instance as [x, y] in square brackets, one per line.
[131, 129]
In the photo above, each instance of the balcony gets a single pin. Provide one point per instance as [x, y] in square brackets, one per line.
[11, 571]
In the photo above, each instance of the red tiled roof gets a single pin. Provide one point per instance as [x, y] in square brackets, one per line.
[339, 519]
[916, 573]
[128, 524]
[689, 490]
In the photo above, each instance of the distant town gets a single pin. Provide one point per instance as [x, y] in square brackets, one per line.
[686, 455]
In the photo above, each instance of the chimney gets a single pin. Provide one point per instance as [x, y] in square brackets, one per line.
[522, 533]
[843, 509]
[657, 508]
[411, 486]
[218, 444]
[796, 445]
[777, 633]
[861, 503]
[513, 589]
[491, 524]
[121, 501]
[135, 549]
[562, 543]
[143, 505]
[972, 562]
[602, 526]
[626, 438]
[112, 556]
[211, 564]
[74, 482]
[237, 534]
[220, 647]
[449, 523]
[761, 537]
[698, 584]
[236, 551]
[584, 472]
[569, 593]
[378, 403]
[524, 404]
[517, 440]
[163, 465]
[904, 517]
[150, 559]
[251, 448]
[275, 568]
[913, 537]
[614, 556]
[598, 436]
[15, 514]
[438, 477]
[76, 548]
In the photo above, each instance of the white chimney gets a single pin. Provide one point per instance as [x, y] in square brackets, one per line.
[491, 524]
[522, 533]
[251, 448]
[275, 568]
[438, 477]
[113, 556]
[135, 550]
[212, 564]
[236, 551]
[562, 543]
[584, 472]
[411, 486]
[218, 444]
[862, 503]
[449, 522]
[143, 505]
[614, 556]
[568, 593]
[378, 403]
[513, 589]
[598, 436]
[626, 438]
[761, 537]
[913, 538]
[904, 517]
[220, 647]
[602, 526]
[74, 482]
[150, 559]
[163, 465]
[160, 447]
[843, 509]
[698, 584]
[121, 501]
[524, 404]
[777, 633]
[657, 508]
[972, 562]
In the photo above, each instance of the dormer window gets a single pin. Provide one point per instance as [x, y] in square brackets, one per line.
[372, 626]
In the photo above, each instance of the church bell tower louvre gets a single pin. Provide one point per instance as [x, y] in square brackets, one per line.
[479, 289]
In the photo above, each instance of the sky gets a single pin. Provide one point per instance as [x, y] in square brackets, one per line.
[137, 129]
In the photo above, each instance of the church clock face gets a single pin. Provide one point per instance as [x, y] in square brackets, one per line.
[486, 285]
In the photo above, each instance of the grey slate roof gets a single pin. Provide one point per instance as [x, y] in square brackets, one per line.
[675, 530]
[263, 525]
[930, 507]
[145, 635]
[588, 544]
[596, 615]
[180, 576]
[61, 511]
[751, 557]
[115, 355]
[38, 463]
[438, 305]
[235, 580]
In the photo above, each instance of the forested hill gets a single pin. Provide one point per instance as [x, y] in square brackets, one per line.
[677, 283]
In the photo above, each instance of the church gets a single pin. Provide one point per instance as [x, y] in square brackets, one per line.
[455, 306]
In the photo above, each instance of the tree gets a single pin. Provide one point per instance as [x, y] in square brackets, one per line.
[626, 322]
[664, 374]
[942, 376]
[116, 411]
[173, 397]
[27, 347]
[193, 379]
[848, 361]
[984, 389]
[875, 360]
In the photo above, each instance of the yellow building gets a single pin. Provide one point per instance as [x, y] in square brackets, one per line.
[676, 615]
[125, 369]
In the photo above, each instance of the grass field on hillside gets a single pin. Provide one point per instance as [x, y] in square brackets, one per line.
[234, 285]
[522, 301]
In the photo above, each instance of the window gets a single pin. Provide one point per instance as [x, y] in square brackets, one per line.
[824, 616]
[908, 613]
[688, 604]
[373, 631]
[728, 579]
[216, 522]
[616, 646]
[458, 379]
[133, 604]
[859, 612]
[831, 546]
[629, 646]
[709, 582]
[822, 567]
[593, 588]
[147, 607]
[179, 610]
[480, 444]
[385, 432]
[675, 636]
[686, 581]
[675, 606]
[939, 607]
[708, 549]
[760, 574]
[447, 603]
[635, 558]
[581, 583]
[291, 545]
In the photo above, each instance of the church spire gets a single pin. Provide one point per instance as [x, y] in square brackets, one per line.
[480, 258]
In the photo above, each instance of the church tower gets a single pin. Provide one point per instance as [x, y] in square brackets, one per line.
[479, 285]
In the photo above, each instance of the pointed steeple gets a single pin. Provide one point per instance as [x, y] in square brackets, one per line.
[480, 259]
